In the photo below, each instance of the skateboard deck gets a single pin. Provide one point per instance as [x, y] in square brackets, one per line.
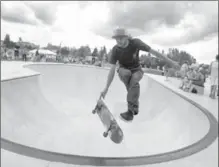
[109, 122]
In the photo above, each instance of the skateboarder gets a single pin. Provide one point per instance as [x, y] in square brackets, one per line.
[126, 53]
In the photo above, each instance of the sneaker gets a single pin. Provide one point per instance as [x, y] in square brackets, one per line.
[127, 116]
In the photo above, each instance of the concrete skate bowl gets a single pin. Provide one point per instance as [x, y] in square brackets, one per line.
[49, 116]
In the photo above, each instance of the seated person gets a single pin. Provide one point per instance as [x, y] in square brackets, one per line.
[186, 84]
[193, 76]
[187, 80]
[199, 78]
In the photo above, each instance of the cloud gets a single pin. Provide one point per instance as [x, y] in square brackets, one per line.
[187, 25]
[144, 17]
[18, 13]
[200, 23]
[32, 13]
[44, 11]
[142, 14]
[203, 55]
[193, 20]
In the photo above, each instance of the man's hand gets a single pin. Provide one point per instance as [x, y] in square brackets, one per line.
[104, 92]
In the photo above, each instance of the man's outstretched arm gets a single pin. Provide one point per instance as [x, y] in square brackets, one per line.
[144, 47]
[165, 58]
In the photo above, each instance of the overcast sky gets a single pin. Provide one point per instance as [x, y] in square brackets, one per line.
[191, 26]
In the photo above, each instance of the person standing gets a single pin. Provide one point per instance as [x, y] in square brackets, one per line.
[213, 69]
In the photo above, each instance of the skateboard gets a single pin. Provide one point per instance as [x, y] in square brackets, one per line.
[109, 122]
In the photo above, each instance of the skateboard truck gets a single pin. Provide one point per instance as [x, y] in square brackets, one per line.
[105, 134]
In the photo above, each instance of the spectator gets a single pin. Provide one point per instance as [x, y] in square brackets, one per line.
[16, 53]
[166, 71]
[202, 70]
[193, 77]
[213, 69]
[191, 73]
[186, 81]
[199, 77]
[186, 84]
[93, 60]
[36, 57]
[24, 55]
[184, 69]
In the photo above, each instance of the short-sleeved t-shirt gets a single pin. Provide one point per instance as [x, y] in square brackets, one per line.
[129, 57]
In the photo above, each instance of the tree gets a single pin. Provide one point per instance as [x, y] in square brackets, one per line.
[95, 53]
[7, 41]
[185, 57]
[20, 39]
[154, 62]
[108, 55]
[64, 51]
[73, 52]
[102, 54]
[52, 47]
[87, 51]
[80, 52]
[104, 50]
[146, 60]
[161, 63]
[179, 56]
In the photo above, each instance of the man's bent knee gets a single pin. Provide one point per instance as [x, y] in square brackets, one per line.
[124, 74]
[136, 77]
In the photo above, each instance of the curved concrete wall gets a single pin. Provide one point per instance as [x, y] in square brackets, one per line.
[48, 111]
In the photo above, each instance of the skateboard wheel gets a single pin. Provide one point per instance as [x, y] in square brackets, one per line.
[105, 134]
[94, 111]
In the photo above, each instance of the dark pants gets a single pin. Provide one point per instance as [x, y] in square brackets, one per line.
[198, 83]
[131, 80]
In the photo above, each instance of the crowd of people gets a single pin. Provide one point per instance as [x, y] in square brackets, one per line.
[192, 75]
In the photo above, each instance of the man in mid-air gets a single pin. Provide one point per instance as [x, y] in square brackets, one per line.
[126, 53]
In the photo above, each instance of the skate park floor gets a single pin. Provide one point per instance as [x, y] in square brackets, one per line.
[48, 106]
